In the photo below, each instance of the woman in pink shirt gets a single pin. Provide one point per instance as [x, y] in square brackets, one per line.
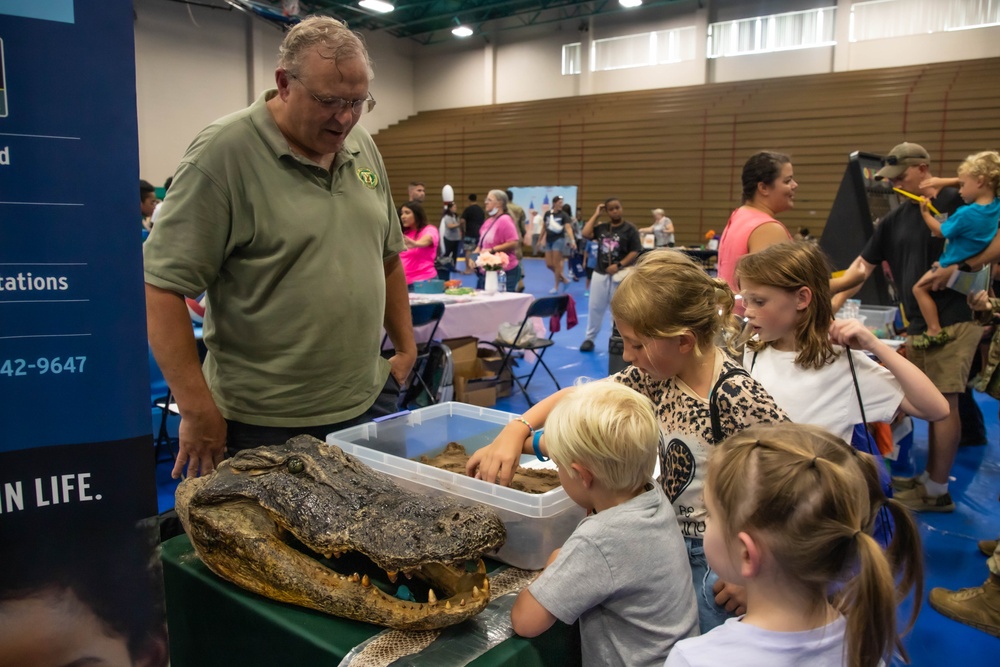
[421, 242]
[499, 234]
[768, 189]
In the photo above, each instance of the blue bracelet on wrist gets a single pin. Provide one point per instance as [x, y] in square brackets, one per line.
[535, 442]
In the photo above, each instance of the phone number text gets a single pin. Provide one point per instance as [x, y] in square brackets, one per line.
[42, 366]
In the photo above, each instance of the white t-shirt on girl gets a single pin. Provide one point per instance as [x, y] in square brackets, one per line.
[687, 428]
[826, 397]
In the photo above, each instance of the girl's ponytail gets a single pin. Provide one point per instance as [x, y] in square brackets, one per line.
[869, 605]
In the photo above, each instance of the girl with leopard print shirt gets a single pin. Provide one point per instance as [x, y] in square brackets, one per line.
[670, 314]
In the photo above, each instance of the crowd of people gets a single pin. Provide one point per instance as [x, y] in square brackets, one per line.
[769, 529]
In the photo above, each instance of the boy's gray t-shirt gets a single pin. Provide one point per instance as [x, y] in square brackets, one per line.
[624, 573]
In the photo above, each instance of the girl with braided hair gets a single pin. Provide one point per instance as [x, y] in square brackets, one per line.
[791, 510]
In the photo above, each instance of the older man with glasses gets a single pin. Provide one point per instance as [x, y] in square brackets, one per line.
[282, 213]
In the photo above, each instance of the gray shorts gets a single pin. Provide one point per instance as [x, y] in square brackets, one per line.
[555, 245]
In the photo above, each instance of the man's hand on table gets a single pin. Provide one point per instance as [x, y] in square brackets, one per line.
[201, 441]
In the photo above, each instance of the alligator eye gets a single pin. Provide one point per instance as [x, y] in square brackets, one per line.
[295, 466]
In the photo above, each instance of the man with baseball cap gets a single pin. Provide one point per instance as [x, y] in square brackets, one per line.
[903, 241]
[901, 158]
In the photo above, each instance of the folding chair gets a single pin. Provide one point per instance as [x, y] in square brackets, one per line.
[422, 314]
[548, 306]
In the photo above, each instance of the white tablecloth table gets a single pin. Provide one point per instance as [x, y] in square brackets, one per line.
[478, 314]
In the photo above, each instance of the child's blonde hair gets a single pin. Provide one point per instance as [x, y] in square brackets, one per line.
[609, 429]
[668, 294]
[812, 501]
[984, 165]
[790, 266]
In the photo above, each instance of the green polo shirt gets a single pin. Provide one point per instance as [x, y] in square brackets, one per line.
[291, 257]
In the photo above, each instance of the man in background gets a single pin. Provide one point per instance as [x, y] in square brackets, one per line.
[472, 220]
[517, 213]
[903, 241]
[416, 192]
[147, 203]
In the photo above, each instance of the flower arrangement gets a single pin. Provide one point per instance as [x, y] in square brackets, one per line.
[492, 261]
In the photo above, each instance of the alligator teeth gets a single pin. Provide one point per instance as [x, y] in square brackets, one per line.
[408, 575]
[355, 578]
[431, 598]
[447, 604]
[328, 555]
[486, 584]
[336, 554]
[481, 567]
[365, 581]
[475, 593]
[392, 575]
[462, 604]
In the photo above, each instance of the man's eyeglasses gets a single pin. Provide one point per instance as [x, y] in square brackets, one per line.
[338, 104]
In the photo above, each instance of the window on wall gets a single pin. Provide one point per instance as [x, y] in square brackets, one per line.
[571, 58]
[777, 32]
[643, 49]
[880, 19]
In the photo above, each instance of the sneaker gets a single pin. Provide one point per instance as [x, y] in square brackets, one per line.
[978, 607]
[924, 340]
[587, 346]
[587, 293]
[917, 500]
[554, 290]
[904, 483]
[988, 547]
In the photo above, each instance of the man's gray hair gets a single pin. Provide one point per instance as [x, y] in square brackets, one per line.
[333, 38]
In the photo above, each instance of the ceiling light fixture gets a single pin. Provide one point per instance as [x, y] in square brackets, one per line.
[630, 3]
[377, 6]
[462, 31]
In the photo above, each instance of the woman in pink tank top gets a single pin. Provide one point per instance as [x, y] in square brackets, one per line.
[768, 189]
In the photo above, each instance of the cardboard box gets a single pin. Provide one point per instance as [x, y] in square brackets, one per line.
[493, 363]
[474, 382]
[476, 391]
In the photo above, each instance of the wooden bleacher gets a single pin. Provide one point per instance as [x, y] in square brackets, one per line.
[683, 148]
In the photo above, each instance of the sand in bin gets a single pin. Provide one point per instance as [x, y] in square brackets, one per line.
[529, 480]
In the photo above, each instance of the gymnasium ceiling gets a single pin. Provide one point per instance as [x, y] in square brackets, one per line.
[431, 21]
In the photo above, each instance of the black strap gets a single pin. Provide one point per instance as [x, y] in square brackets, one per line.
[713, 407]
[861, 404]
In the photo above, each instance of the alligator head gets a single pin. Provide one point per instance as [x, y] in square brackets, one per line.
[307, 524]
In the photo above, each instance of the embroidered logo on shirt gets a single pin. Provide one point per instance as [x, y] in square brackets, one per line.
[368, 177]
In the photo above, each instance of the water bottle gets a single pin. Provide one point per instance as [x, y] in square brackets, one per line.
[502, 281]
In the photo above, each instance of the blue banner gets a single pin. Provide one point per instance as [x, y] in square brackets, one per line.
[77, 472]
[73, 360]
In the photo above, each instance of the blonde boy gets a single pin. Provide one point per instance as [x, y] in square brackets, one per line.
[624, 571]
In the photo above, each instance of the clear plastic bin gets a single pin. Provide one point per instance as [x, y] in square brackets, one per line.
[536, 524]
[880, 319]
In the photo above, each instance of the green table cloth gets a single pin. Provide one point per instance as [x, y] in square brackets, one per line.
[214, 623]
